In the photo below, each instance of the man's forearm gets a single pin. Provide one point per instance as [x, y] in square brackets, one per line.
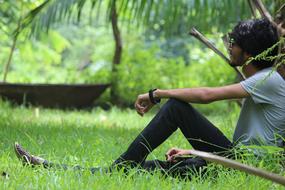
[204, 95]
[193, 95]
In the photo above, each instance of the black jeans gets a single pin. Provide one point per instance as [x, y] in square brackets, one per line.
[174, 114]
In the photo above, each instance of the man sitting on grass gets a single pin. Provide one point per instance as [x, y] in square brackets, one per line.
[261, 120]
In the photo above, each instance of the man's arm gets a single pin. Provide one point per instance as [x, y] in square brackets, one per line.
[204, 94]
[201, 95]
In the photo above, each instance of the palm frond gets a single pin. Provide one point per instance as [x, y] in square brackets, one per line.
[173, 14]
[30, 17]
[53, 11]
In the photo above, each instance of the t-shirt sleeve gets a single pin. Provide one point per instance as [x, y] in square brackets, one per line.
[260, 87]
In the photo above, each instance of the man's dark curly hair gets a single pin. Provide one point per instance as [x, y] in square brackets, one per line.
[255, 36]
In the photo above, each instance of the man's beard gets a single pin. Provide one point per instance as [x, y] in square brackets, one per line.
[240, 61]
[232, 65]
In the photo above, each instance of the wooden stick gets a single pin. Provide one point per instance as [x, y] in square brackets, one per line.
[280, 20]
[239, 166]
[12, 49]
[7, 65]
[264, 13]
[252, 8]
[226, 41]
[194, 32]
[262, 10]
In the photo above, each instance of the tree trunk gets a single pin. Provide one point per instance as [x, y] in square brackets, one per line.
[117, 55]
[15, 38]
[6, 69]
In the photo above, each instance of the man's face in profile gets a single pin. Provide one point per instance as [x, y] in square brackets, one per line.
[237, 56]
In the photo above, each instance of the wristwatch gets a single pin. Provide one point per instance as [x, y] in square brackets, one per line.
[153, 99]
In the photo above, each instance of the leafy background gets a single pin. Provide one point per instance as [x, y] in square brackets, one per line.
[157, 51]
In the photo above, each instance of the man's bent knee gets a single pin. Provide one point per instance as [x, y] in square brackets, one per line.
[175, 103]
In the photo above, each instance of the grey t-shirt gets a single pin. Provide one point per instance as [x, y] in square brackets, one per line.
[262, 117]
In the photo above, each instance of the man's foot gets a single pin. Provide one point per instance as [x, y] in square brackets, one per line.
[26, 157]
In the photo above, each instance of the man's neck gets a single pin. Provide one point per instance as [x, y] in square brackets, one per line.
[249, 70]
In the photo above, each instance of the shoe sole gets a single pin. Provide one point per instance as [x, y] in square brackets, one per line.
[21, 154]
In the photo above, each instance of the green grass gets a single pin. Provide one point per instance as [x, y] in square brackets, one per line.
[96, 138]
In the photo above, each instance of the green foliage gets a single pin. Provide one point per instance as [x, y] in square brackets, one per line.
[56, 41]
[34, 59]
[90, 55]
[144, 65]
[145, 12]
[143, 68]
[11, 11]
[279, 59]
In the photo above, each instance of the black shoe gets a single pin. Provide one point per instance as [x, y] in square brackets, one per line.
[26, 157]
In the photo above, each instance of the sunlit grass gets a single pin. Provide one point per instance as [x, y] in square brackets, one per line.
[96, 138]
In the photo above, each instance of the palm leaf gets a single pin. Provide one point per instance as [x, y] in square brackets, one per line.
[175, 14]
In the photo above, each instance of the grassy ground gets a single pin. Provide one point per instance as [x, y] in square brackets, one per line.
[96, 138]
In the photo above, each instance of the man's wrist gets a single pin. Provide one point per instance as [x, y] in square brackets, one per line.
[156, 94]
[154, 98]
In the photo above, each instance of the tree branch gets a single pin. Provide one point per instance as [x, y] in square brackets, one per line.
[7, 65]
[252, 8]
[194, 32]
[15, 38]
[262, 10]
[239, 166]
[280, 20]
[264, 13]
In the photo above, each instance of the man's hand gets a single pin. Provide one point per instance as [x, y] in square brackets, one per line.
[143, 104]
[176, 152]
